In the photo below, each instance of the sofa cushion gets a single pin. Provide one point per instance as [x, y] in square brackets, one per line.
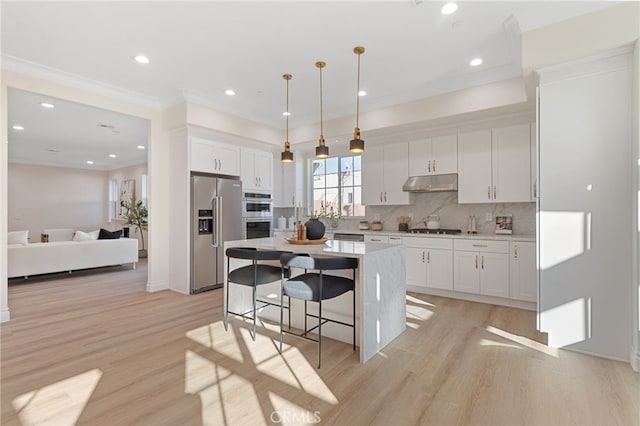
[85, 236]
[18, 237]
[108, 235]
[59, 234]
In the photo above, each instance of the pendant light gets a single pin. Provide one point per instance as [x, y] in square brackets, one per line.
[357, 144]
[322, 151]
[286, 156]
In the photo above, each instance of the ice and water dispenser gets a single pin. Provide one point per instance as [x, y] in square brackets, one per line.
[205, 222]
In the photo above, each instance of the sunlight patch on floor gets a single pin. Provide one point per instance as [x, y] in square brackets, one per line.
[487, 342]
[59, 403]
[214, 336]
[524, 341]
[419, 301]
[286, 412]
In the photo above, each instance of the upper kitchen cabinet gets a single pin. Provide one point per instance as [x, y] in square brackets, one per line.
[214, 157]
[434, 156]
[494, 166]
[384, 171]
[257, 170]
[287, 183]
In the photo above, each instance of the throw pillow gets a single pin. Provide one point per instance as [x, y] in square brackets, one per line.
[18, 237]
[94, 234]
[107, 235]
[83, 236]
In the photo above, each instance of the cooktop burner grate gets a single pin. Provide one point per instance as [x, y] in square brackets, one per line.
[434, 231]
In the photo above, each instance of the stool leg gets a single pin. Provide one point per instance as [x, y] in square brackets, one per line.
[354, 318]
[319, 331]
[289, 310]
[226, 310]
[305, 317]
[254, 313]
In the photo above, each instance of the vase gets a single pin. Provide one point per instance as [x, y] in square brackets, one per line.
[315, 229]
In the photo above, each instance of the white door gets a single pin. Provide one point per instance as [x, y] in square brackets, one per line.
[523, 284]
[395, 173]
[440, 269]
[494, 274]
[466, 273]
[474, 167]
[416, 266]
[372, 176]
[444, 154]
[511, 164]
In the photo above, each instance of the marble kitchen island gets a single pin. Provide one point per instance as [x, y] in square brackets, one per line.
[380, 292]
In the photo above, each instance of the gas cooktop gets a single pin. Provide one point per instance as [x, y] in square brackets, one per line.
[434, 231]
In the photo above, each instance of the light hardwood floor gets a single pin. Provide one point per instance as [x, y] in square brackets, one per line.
[96, 349]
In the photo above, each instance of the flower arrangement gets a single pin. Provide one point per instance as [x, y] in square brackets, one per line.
[327, 215]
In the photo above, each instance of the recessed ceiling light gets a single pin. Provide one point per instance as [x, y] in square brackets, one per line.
[140, 146]
[112, 155]
[229, 92]
[362, 93]
[449, 8]
[89, 162]
[16, 127]
[475, 62]
[47, 105]
[141, 59]
[286, 113]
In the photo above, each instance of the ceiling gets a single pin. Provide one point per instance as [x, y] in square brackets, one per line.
[199, 49]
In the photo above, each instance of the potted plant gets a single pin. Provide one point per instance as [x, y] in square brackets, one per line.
[327, 215]
[136, 215]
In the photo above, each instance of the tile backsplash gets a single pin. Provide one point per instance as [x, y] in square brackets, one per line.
[452, 215]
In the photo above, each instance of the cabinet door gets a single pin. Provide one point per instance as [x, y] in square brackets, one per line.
[202, 156]
[380, 239]
[534, 162]
[419, 157]
[466, 273]
[372, 176]
[229, 159]
[523, 284]
[416, 266]
[247, 174]
[263, 165]
[494, 274]
[474, 167]
[395, 173]
[511, 164]
[289, 184]
[444, 154]
[440, 269]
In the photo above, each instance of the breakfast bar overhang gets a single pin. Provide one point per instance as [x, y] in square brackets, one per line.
[380, 289]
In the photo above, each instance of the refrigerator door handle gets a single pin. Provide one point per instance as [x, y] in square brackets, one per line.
[218, 224]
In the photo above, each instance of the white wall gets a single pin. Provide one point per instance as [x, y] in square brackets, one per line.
[42, 197]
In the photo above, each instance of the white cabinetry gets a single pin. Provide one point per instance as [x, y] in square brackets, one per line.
[523, 284]
[257, 170]
[534, 162]
[287, 183]
[481, 267]
[385, 169]
[382, 239]
[433, 156]
[495, 165]
[429, 262]
[214, 157]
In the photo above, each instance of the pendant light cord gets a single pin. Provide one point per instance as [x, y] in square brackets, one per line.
[321, 132]
[358, 96]
[286, 133]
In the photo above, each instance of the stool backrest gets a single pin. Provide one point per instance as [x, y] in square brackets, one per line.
[251, 253]
[318, 263]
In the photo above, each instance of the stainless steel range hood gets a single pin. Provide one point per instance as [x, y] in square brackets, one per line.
[434, 183]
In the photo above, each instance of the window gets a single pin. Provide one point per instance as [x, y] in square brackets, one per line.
[337, 184]
[113, 199]
[143, 190]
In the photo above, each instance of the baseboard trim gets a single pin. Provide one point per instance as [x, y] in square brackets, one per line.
[511, 303]
[634, 360]
[157, 286]
[4, 315]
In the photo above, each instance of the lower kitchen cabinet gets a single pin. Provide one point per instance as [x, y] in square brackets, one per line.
[481, 267]
[523, 284]
[382, 239]
[429, 262]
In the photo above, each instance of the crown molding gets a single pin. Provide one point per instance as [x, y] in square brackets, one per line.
[65, 78]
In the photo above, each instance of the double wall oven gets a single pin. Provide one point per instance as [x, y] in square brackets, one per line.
[257, 215]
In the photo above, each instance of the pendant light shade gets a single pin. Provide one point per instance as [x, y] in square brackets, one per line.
[286, 156]
[357, 144]
[322, 151]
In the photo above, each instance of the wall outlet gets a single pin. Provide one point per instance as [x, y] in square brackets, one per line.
[489, 217]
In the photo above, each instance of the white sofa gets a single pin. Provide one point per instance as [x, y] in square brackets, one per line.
[59, 256]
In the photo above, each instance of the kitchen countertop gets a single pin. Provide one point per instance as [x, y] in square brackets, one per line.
[463, 235]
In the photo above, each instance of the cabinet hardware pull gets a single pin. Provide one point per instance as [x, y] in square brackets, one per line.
[482, 262]
[385, 196]
[476, 262]
[479, 245]
[423, 257]
[516, 253]
[380, 196]
[429, 253]
[434, 165]
[494, 193]
[429, 166]
[535, 190]
[489, 192]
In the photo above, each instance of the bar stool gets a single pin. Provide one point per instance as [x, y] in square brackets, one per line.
[316, 287]
[252, 276]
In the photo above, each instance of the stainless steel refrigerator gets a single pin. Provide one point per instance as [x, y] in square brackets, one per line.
[216, 205]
